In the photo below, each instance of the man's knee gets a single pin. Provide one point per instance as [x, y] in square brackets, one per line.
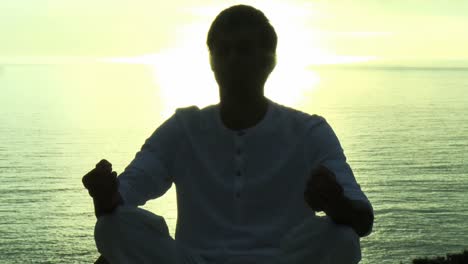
[347, 235]
[124, 224]
[106, 230]
[346, 241]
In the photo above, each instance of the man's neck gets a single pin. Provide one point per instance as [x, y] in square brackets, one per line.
[243, 113]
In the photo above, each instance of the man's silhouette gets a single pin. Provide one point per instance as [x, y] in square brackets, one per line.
[249, 173]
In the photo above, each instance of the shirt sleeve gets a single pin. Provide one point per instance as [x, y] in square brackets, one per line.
[330, 154]
[148, 176]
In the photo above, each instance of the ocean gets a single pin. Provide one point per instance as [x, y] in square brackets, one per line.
[404, 131]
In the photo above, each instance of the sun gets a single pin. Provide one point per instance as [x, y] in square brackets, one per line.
[183, 72]
[183, 75]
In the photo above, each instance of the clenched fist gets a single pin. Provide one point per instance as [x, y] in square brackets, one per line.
[102, 185]
[322, 189]
[101, 181]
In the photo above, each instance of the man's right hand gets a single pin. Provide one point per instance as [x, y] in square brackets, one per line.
[102, 185]
[101, 181]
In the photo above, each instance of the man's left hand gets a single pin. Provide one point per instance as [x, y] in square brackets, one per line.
[322, 190]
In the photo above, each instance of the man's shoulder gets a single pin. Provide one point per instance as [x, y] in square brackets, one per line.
[193, 116]
[194, 111]
[299, 117]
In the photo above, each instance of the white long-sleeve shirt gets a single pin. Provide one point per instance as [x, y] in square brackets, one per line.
[238, 192]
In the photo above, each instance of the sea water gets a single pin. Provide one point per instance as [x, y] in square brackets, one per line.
[404, 131]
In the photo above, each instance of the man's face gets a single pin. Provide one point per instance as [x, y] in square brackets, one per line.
[238, 59]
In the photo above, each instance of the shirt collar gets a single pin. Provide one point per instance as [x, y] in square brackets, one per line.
[257, 127]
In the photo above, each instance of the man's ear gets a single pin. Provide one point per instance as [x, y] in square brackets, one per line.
[211, 61]
[273, 65]
[271, 62]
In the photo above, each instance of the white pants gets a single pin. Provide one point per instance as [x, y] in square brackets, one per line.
[135, 235]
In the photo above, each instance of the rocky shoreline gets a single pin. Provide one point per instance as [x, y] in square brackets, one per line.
[457, 258]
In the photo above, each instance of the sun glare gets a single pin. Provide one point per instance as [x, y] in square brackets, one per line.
[185, 78]
[183, 73]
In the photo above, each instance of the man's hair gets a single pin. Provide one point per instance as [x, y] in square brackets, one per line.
[239, 17]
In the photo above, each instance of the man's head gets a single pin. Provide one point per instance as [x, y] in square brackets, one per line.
[242, 45]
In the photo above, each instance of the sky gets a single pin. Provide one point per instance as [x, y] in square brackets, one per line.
[321, 32]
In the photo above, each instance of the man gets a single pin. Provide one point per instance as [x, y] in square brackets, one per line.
[249, 173]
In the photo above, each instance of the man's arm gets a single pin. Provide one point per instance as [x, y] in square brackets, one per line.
[150, 174]
[335, 178]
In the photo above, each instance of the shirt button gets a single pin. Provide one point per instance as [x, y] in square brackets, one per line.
[238, 151]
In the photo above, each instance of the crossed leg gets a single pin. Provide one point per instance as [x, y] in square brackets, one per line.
[135, 235]
[322, 241]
